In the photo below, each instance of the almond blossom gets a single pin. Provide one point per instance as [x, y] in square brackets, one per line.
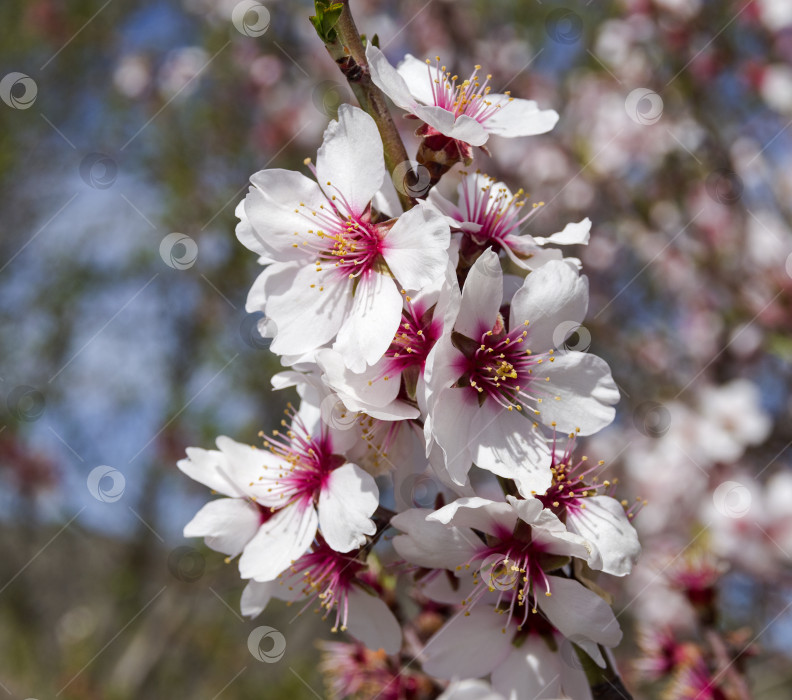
[277, 499]
[336, 581]
[418, 351]
[578, 498]
[337, 272]
[524, 542]
[524, 664]
[520, 545]
[488, 214]
[466, 110]
[493, 378]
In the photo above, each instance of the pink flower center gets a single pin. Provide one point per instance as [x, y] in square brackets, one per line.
[498, 368]
[469, 97]
[328, 577]
[308, 461]
[497, 211]
[342, 237]
[575, 481]
[514, 566]
[572, 482]
[415, 338]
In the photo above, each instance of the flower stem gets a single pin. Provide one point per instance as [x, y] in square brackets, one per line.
[605, 683]
[350, 56]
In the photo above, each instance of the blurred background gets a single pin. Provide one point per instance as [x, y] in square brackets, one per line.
[127, 134]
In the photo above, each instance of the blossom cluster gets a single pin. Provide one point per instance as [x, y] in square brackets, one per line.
[423, 342]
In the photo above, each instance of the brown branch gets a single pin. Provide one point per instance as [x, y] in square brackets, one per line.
[350, 56]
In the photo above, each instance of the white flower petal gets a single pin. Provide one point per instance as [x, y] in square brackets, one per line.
[246, 463]
[549, 531]
[256, 597]
[371, 621]
[257, 296]
[467, 129]
[371, 323]
[530, 672]
[306, 306]
[467, 646]
[416, 247]
[279, 542]
[386, 201]
[470, 690]
[463, 128]
[482, 295]
[581, 615]
[452, 416]
[586, 392]
[209, 467]
[516, 117]
[346, 503]
[226, 524]
[527, 509]
[257, 594]
[573, 234]
[445, 206]
[277, 206]
[397, 410]
[419, 77]
[351, 160]
[442, 366]
[358, 391]
[606, 526]
[446, 587]
[387, 79]
[552, 295]
[509, 446]
[430, 543]
[494, 518]
[524, 252]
